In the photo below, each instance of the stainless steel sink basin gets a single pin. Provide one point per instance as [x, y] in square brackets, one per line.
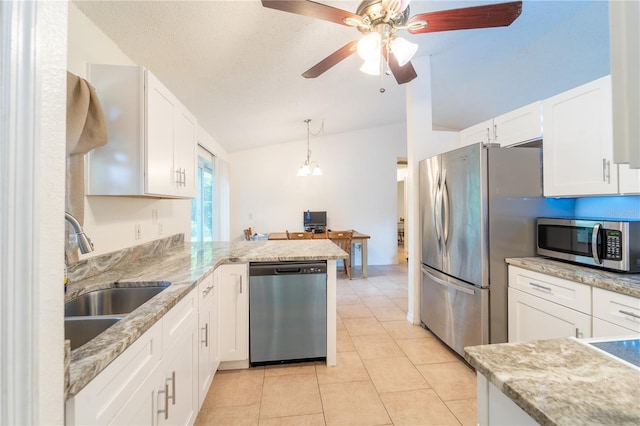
[82, 329]
[112, 301]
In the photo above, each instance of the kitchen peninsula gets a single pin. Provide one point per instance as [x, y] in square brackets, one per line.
[183, 267]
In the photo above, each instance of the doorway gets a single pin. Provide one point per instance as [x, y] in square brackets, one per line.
[402, 172]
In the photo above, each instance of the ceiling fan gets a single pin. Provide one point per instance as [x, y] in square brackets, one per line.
[380, 20]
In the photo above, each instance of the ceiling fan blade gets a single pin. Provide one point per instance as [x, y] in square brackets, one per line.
[492, 15]
[331, 60]
[312, 9]
[403, 74]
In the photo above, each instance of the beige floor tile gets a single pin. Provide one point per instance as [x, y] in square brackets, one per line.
[404, 330]
[339, 323]
[376, 346]
[243, 415]
[348, 368]
[234, 388]
[465, 410]
[394, 292]
[401, 302]
[363, 326]
[354, 311]
[344, 342]
[347, 299]
[426, 351]
[384, 313]
[342, 288]
[291, 395]
[394, 374]
[286, 369]
[305, 420]
[353, 403]
[377, 301]
[417, 407]
[367, 291]
[451, 380]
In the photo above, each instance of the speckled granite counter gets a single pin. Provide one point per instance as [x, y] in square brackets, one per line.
[614, 281]
[183, 266]
[561, 381]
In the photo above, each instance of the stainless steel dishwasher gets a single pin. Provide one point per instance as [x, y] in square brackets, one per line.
[287, 312]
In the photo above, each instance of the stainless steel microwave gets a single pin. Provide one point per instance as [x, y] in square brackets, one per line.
[601, 243]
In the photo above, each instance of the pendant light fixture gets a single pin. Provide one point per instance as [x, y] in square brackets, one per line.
[309, 167]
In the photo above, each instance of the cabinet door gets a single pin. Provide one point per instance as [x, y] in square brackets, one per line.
[578, 142]
[184, 152]
[617, 308]
[159, 129]
[628, 179]
[533, 318]
[233, 327]
[480, 133]
[141, 408]
[602, 328]
[208, 336]
[179, 390]
[519, 126]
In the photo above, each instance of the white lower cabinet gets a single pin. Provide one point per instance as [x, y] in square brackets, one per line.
[546, 307]
[495, 408]
[533, 318]
[615, 314]
[208, 358]
[234, 315]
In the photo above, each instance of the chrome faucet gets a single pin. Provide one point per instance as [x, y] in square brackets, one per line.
[84, 243]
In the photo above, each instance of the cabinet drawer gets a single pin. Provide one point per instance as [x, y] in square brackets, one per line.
[567, 293]
[620, 309]
[105, 395]
[205, 290]
[177, 320]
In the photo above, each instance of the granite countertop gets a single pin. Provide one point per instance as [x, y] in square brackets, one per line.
[182, 265]
[614, 281]
[561, 381]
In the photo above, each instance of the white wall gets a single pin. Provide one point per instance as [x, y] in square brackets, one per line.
[110, 221]
[358, 188]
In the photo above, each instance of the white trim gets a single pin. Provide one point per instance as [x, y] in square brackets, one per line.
[32, 122]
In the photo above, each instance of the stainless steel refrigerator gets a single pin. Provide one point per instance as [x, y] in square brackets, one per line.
[478, 206]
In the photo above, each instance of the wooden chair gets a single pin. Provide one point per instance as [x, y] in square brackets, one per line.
[343, 240]
[247, 234]
[299, 235]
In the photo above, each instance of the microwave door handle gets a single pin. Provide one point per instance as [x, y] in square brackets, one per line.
[594, 243]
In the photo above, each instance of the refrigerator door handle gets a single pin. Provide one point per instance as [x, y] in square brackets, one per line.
[436, 210]
[447, 284]
[445, 202]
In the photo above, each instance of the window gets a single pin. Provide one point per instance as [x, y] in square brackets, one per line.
[202, 207]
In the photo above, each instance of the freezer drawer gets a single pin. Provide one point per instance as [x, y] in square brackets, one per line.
[456, 312]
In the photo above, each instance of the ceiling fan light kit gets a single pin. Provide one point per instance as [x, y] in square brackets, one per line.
[380, 20]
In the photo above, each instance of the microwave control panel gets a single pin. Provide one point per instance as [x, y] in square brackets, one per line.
[613, 244]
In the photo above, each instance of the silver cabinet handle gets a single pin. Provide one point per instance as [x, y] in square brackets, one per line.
[183, 180]
[488, 135]
[173, 388]
[495, 133]
[631, 314]
[579, 334]
[178, 172]
[606, 170]
[206, 335]
[539, 286]
[166, 401]
[594, 243]
[240, 284]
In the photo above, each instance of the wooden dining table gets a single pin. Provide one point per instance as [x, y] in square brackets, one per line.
[358, 237]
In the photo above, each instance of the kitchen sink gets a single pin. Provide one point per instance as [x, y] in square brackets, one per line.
[111, 301]
[82, 329]
[624, 349]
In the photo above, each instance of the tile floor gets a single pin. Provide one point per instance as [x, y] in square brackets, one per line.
[388, 371]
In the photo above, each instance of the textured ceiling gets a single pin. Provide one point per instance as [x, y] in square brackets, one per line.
[236, 65]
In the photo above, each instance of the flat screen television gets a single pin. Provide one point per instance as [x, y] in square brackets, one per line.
[314, 220]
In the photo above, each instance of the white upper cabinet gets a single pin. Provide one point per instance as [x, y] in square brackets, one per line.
[152, 137]
[519, 126]
[578, 144]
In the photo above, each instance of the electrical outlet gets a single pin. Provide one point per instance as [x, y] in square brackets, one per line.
[138, 231]
[154, 216]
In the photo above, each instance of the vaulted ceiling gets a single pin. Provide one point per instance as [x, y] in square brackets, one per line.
[237, 65]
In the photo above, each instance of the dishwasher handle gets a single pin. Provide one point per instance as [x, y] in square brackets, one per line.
[283, 271]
